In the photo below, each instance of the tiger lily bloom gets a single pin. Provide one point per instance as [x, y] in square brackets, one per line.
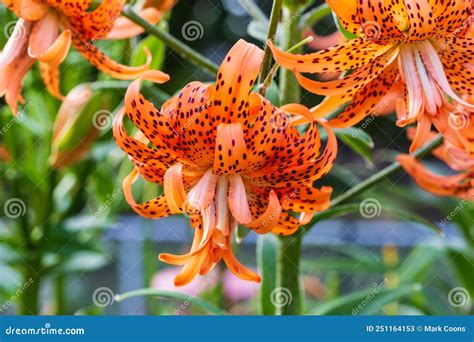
[225, 156]
[46, 29]
[459, 185]
[421, 47]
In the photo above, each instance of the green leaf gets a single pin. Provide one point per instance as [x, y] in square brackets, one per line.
[417, 263]
[433, 301]
[407, 216]
[344, 265]
[464, 219]
[267, 250]
[337, 211]
[462, 264]
[240, 233]
[358, 141]
[346, 209]
[172, 295]
[273, 94]
[392, 295]
[353, 259]
[365, 302]
[157, 48]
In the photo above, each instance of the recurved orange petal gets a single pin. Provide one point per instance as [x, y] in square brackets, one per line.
[366, 101]
[235, 79]
[50, 76]
[456, 185]
[345, 56]
[156, 208]
[346, 11]
[105, 64]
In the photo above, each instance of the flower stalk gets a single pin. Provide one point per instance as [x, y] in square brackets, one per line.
[288, 274]
[272, 30]
[384, 173]
[289, 86]
[289, 250]
[378, 177]
[174, 44]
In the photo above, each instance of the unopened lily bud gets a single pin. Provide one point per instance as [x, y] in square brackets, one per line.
[75, 128]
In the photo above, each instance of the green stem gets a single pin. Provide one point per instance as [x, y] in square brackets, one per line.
[174, 44]
[274, 69]
[28, 303]
[111, 84]
[383, 174]
[289, 86]
[289, 251]
[59, 292]
[29, 299]
[378, 177]
[267, 57]
[288, 275]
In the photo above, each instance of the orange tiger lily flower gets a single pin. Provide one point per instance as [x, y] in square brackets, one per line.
[423, 47]
[225, 156]
[46, 29]
[459, 185]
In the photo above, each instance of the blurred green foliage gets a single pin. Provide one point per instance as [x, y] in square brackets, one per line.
[65, 212]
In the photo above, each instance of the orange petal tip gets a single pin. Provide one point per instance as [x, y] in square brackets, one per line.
[155, 76]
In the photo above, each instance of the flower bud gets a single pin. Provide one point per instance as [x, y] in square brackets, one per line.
[74, 130]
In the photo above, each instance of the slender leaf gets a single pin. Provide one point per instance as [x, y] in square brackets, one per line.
[358, 141]
[417, 263]
[366, 302]
[346, 209]
[157, 48]
[171, 295]
[267, 250]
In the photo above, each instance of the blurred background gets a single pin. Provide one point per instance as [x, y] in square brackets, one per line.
[69, 243]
